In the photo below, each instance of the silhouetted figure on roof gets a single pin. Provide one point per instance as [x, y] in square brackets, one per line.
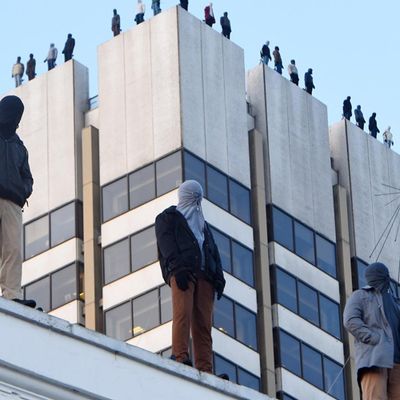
[209, 15]
[226, 25]
[31, 67]
[265, 53]
[17, 72]
[140, 10]
[155, 5]
[116, 23]
[69, 48]
[184, 4]
[373, 125]
[293, 73]
[347, 108]
[309, 81]
[358, 115]
[51, 57]
[277, 60]
[388, 137]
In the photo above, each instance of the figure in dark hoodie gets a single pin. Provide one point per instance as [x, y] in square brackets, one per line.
[372, 316]
[15, 187]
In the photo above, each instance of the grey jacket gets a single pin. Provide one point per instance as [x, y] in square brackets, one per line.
[365, 319]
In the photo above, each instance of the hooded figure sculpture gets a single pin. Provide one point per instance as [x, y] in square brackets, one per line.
[191, 265]
[372, 316]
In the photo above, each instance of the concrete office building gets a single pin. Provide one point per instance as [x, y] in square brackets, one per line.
[291, 204]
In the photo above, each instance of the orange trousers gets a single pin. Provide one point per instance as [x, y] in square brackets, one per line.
[381, 384]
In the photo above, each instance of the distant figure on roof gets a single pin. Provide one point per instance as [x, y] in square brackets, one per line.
[140, 10]
[347, 108]
[31, 67]
[277, 60]
[116, 23]
[373, 126]
[155, 5]
[293, 73]
[265, 53]
[184, 4]
[17, 72]
[358, 115]
[226, 25]
[309, 81]
[388, 137]
[69, 48]
[51, 57]
[209, 15]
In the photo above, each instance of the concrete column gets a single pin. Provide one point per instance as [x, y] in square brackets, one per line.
[263, 285]
[91, 229]
[346, 285]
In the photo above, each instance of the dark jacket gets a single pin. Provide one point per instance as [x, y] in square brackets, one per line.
[347, 107]
[69, 46]
[373, 125]
[178, 248]
[308, 80]
[15, 175]
[225, 24]
[266, 52]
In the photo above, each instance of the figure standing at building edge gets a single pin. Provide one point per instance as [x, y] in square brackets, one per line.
[116, 23]
[277, 60]
[209, 15]
[388, 137]
[347, 108]
[265, 53]
[226, 25]
[155, 5]
[293, 73]
[31, 67]
[140, 10]
[309, 81]
[191, 265]
[17, 72]
[51, 57]
[184, 4]
[358, 115]
[373, 126]
[69, 48]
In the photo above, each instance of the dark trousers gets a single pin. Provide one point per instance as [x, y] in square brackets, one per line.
[347, 115]
[192, 311]
[67, 56]
[139, 18]
[309, 89]
[278, 68]
[185, 4]
[294, 78]
[51, 64]
[374, 132]
[360, 124]
[226, 32]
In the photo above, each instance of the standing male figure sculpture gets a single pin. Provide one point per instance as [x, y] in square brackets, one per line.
[116, 23]
[17, 72]
[69, 48]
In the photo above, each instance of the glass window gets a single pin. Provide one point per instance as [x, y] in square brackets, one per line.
[36, 237]
[240, 201]
[246, 327]
[326, 255]
[304, 239]
[166, 304]
[282, 228]
[169, 173]
[289, 353]
[40, 292]
[195, 169]
[145, 312]
[247, 379]
[286, 290]
[334, 380]
[312, 366]
[330, 316]
[62, 224]
[361, 266]
[242, 263]
[116, 261]
[224, 247]
[217, 187]
[222, 366]
[144, 248]
[223, 316]
[308, 303]
[115, 199]
[119, 322]
[142, 187]
[64, 286]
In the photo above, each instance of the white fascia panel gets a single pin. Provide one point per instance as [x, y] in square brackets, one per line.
[156, 340]
[240, 292]
[71, 312]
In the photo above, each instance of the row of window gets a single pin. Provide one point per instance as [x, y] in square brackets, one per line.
[56, 227]
[311, 365]
[164, 175]
[58, 288]
[284, 396]
[302, 240]
[306, 302]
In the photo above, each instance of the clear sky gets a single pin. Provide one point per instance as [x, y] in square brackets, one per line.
[353, 46]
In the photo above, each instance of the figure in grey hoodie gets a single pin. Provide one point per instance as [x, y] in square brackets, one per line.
[372, 316]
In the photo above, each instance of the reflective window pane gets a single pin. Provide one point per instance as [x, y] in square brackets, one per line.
[247, 379]
[246, 327]
[36, 237]
[144, 248]
[242, 263]
[330, 316]
[361, 273]
[116, 261]
[119, 322]
[240, 201]
[40, 292]
[142, 187]
[64, 286]
[334, 380]
[286, 290]
[289, 353]
[115, 199]
[308, 303]
[326, 255]
[145, 312]
[166, 304]
[217, 187]
[62, 224]
[223, 316]
[282, 228]
[312, 366]
[195, 169]
[224, 247]
[169, 173]
[304, 239]
[222, 366]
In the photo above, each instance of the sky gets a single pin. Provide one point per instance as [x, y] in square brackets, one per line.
[353, 46]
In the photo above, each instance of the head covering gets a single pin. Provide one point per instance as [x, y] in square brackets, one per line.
[190, 195]
[267, 42]
[11, 110]
[377, 276]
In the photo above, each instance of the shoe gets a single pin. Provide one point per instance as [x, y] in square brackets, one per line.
[39, 308]
[224, 376]
[28, 303]
[188, 361]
